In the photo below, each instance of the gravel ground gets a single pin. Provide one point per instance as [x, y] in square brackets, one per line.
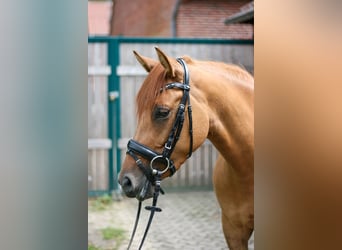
[189, 220]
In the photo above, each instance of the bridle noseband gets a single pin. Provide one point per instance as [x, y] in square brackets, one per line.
[153, 174]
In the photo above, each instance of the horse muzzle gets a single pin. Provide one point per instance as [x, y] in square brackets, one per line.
[139, 188]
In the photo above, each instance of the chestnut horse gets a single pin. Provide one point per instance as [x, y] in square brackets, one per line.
[222, 100]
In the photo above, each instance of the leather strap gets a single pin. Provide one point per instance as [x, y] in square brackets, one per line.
[141, 149]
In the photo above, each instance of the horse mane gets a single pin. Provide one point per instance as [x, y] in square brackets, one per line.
[150, 88]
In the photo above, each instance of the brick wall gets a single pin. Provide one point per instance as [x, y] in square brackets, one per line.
[142, 17]
[203, 18]
[196, 18]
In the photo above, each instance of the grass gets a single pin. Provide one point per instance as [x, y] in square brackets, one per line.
[110, 233]
[101, 203]
[116, 234]
[92, 247]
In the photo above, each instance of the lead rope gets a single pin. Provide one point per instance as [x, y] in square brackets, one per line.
[135, 225]
[152, 209]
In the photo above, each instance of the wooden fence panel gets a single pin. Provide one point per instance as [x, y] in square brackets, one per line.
[98, 143]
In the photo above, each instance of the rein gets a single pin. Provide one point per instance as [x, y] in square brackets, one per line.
[153, 174]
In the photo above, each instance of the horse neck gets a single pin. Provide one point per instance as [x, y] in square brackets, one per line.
[230, 107]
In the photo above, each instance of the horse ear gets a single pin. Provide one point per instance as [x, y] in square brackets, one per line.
[166, 62]
[146, 62]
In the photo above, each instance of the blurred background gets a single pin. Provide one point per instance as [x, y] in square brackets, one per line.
[172, 18]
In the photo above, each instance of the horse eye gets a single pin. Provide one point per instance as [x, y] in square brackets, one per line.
[161, 113]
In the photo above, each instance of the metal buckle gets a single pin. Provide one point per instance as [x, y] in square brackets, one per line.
[167, 147]
[156, 171]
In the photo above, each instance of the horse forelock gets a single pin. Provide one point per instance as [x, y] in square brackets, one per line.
[150, 89]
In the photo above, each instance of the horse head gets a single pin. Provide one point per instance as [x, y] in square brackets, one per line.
[168, 127]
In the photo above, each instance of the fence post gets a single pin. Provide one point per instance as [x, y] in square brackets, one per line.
[114, 131]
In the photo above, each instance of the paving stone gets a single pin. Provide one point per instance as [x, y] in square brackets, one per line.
[189, 220]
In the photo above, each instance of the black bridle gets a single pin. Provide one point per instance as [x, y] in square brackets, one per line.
[152, 173]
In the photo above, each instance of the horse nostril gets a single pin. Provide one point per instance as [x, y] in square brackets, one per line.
[126, 184]
[126, 181]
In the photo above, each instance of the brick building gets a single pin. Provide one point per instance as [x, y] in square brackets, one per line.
[99, 15]
[181, 18]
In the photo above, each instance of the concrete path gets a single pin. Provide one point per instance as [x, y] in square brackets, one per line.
[189, 220]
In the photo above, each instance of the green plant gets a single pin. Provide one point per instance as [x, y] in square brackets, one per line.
[92, 247]
[101, 202]
[110, 233]
[116, 234]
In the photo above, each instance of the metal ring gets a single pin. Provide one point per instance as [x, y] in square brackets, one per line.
[167, 166]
